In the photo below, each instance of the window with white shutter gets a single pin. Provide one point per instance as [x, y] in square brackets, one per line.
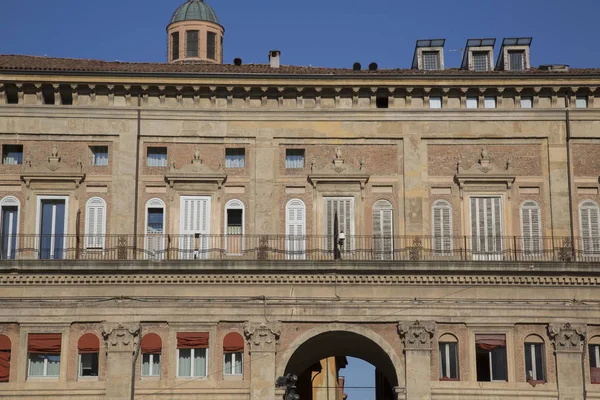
[234, 227]
[589, 227]
[195, 226]
[441, 217]
[295, 229]
[95, 223]
[531, 228]
[344, 208]
[382, 230]
[486, 227]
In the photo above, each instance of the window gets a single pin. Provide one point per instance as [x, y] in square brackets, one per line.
[99, 155]
[157, 156]
[526, 102]
[175, 45]
[192, 43]
[151, 353]
[589, 227]
[211, 45]
[448, 351]
[195, 226]
[294, 158]
[89, 348]
[435, 102]
[431, 60]
[489, 102]
[5, 347]
[43, 351]
[95, 223]
[486, 227]
[516, 60]
[234, 227]
[382, 102]
[192, 359]
[233, 354]
[491, 358]
[155, 222]
[581, 102]
[534, 359]
[235, 158]
[12, 154]
[383, 246]
[481, 61]
[295, 230]
[52, 219]
[340, 210]
[9, 227]
[472, 102]
[594, 355]
[531, 229]
[442, 227]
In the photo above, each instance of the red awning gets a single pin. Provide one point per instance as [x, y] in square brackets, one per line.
[44, 343]
[489, 342]
[88, 344]
[152, 344]
[192, 340]
[4, 343]
[4, 365]
[233, 343]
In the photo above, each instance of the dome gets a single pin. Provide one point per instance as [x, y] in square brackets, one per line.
[194, 10]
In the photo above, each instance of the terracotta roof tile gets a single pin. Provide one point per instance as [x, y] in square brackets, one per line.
[36, 63]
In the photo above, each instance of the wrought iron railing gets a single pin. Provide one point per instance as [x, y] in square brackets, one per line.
[292, 248]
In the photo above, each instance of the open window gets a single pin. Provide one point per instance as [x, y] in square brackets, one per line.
[88, 348]
[491, 358]
[9, 227]
[233, 354]
[151, 354]
[43, 353]
[448, 351]
[594, 354]
[5, 347]
[192, 356]
[234, 227]
[154, 229]
[535, 360]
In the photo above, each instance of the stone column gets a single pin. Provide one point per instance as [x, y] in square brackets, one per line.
[417, 353]
[121, 345]
[264, 341]
[568, 345]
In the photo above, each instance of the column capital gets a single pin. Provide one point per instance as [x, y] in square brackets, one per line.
[121, 337]
[567, 337]
[417, 335]
[263, 336]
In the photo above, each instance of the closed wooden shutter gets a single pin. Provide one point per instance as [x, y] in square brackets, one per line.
[589, 219]
[95, 223]
[382, 230]
[295, 229]
[442, 227]
[486, 225]
[531, 227]
[195, 211]
[345, 212]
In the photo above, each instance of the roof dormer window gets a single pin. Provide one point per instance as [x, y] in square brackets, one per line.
[479, 55]
[516, 60]
[429, 55]
[514, 54]
[431, 60]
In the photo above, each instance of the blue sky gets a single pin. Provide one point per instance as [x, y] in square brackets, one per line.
[331, 33]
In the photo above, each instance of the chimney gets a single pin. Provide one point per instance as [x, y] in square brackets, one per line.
[274, 56]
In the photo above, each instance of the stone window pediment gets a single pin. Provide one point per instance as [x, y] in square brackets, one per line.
[338, 171]
[53, 170]
[485, 172]
[196, 171]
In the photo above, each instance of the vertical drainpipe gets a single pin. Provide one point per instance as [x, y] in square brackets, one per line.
[137, 175]
[569, 180]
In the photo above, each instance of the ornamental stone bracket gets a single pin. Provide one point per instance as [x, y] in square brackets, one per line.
[262, 336]
[484, 172]
[338, 171]
[417, 335]
[121, 337]
[567, 338]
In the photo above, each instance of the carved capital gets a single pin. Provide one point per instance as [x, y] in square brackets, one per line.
[567, 337]
[263, 336]
[121, 337]
[417, 335]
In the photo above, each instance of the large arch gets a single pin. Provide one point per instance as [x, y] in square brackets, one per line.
[338, 339]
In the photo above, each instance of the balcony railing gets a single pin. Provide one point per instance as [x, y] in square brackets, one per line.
[294, 248]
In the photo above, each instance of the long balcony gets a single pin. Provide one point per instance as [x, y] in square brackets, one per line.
[161, 247]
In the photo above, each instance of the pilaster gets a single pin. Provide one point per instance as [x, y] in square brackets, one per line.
[417, 353]
[263, 339]
[568, 347]
[121, 344]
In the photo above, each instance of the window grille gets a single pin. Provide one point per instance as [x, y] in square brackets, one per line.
[481, 61]
[192, 43]
[431, 60]
[516, 60]
[175, 45]
[211, 44]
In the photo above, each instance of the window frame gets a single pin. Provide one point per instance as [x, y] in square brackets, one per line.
[594, 348]
[442, 204]
[38, 223]
[175, 49]
[93, 150]
[154, 149]
[581, 101]
[445, 360]
[229, 373]
[433, 53]
[534, 205]
[192, 366]
[288, 154]
[349, 245]
[214, 45]
[9, 148]
[151, 373]
[10, 201]
[100, 237]
[489, 101]
[234, 204]
[511, 66]
[529, 352]
[155, 203]
[484, 54]
[523, 101]
[470, 100]
[233, 158]
[291, 243]
[379, 241]
[80, 366]
[477, 252]
[490, 357]
[433, 100]
[190, 51]
[45, 367]
[589, 204]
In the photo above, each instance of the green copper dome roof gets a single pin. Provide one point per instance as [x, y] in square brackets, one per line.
[194, 10]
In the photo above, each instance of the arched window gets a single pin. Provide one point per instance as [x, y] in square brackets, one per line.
[535, 360]
[4, 358]
[531, 228]
[233, 354]
[295, 229]
[88, 348]
[594, 355]
[9, 227]
[155, 229]
[95, 223]
[589, 227]
[448, 357]
[441, 217]
[151, 354]
[234, 227]
[383, 230]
